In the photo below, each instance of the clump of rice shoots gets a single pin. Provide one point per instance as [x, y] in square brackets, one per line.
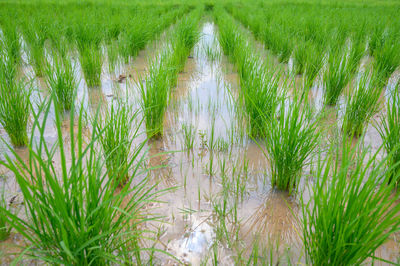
[76, 214]
[91, 59]
[62, 82]
[260, 93]
[14, 106]
[4, 226]
[336, 76]
[11, 42]
[350, 213]
[361, 104]
[116, 133]
[387, 59]
[154, 93]
[356, 52]
[312, 66]
[186, 35]
[290, 140]
[300, 57]
[88, 38]
[35, 37]
[389, 131]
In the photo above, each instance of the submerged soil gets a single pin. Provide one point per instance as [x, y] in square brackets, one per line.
[224, 169]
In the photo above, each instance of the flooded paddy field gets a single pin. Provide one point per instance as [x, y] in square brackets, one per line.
[203, 186]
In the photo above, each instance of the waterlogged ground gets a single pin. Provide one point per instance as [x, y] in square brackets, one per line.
[221, 200]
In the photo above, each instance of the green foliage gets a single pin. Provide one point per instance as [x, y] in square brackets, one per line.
[290, 141]
[350, 215]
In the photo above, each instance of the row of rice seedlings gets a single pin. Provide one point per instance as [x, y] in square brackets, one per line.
[116, 134]
[336, 75]
[290, 141]
[259, 86]
[14, 103]
[361, 103]
[312, 33]
[389, 131]
[62, 82]
[163, 73]
[144, 28]
[350, 214]
[74, 215]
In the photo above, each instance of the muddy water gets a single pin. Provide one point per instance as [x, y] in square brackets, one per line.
[223, 166]
[221, 200]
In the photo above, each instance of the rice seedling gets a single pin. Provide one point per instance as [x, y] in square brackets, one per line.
[336, 76]
[186, 35]
[387, 59]
[91, 59]
[154, 93]
[189, 135]
[350, 214]
[35, 37]
[11, 42]
[62, 82]
[389, 131]
[290, 141]
[356, 52]
[14, 107]
[116, 134]
[361, 104]
[112, 56]
[133, 39]
[260, 92]
[300, 57]
[77, 215]
[312, 66]
[4, 227]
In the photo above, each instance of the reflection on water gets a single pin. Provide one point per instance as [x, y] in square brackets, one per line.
[205, 98]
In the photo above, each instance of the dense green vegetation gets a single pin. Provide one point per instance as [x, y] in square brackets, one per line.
[97, 97]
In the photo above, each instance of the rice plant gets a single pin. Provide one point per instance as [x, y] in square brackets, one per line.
[260, 92]
[35, 37]
[14, 107]
[361, 104]
[313, 65]
[186, 35]
[290, 140]
[356, 52]
[300, 57]
[387, 59]
[62, 82]
[91, 59]
[76, 215]
[11, 42]
[154, 93]
[189, 136]
[336, 76]
[389, 131]
[4, 227]
[116, 133]
[350, 214]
